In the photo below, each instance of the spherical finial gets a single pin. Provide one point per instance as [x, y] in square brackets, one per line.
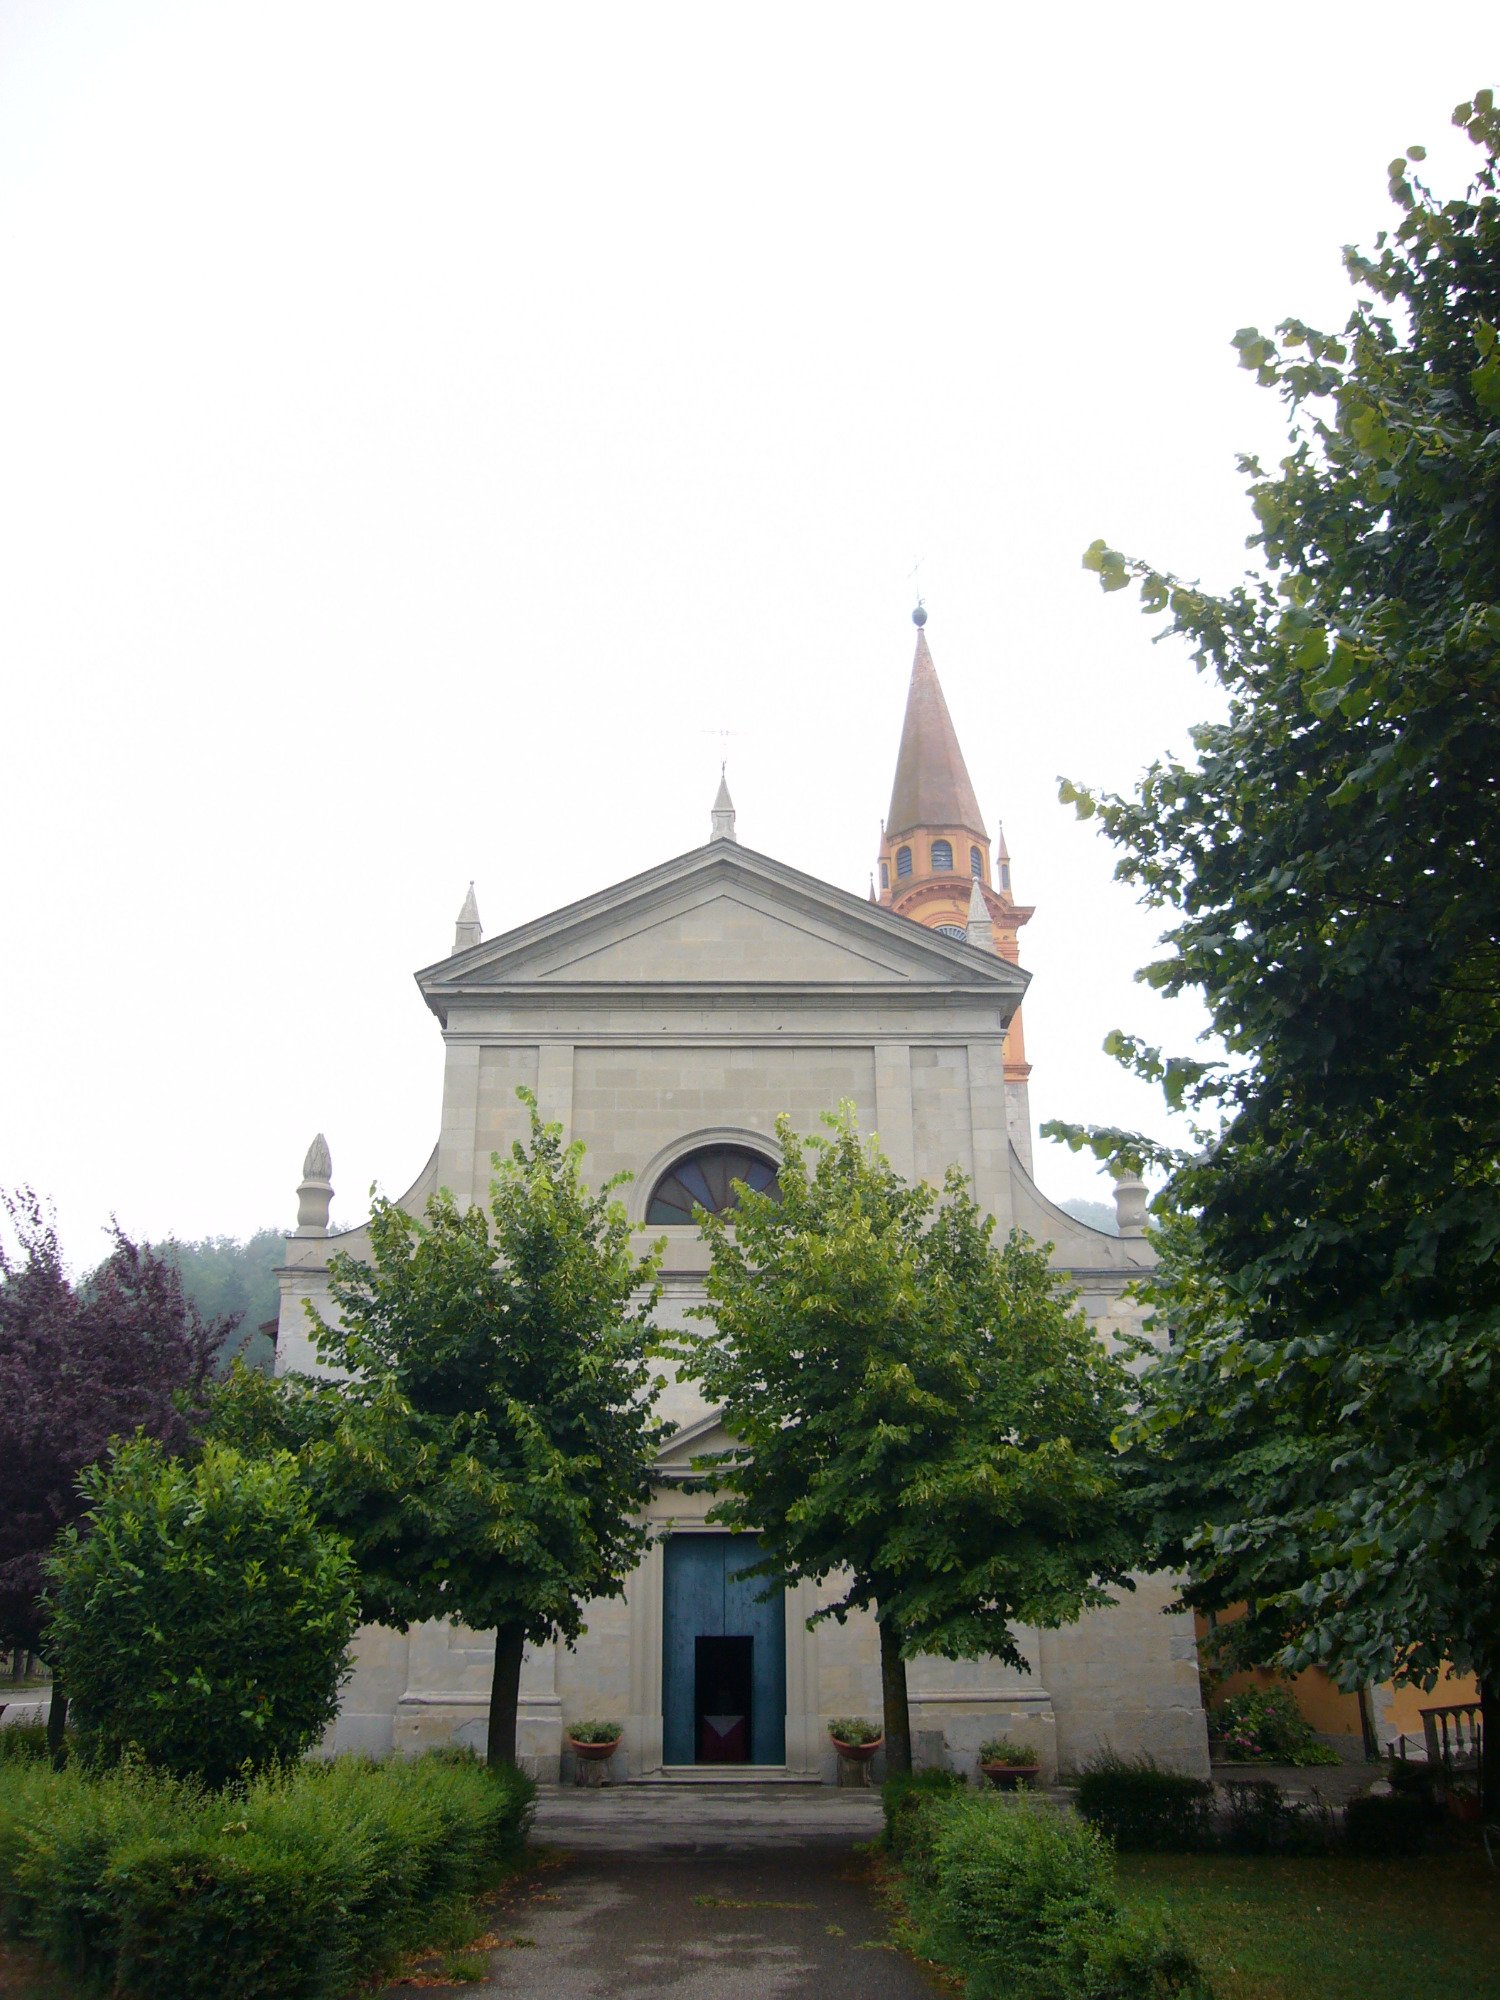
[919, 616]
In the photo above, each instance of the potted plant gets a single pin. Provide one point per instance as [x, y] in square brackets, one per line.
[856, 1739]
[593, 1743]
[1009, 1761]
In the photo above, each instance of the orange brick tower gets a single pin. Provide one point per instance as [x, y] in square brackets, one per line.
[935, 853]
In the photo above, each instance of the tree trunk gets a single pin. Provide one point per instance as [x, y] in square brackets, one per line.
[505, 1695]
[1489, 1748]
[896, 1713]
[57, 1719]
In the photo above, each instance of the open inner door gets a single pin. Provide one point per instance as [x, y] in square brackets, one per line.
[723, 1699]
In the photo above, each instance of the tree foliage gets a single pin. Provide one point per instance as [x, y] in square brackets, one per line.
[227, 1278]
[200, 1615]
[1327, 1429]
[80, 1365]
[488, 1451]
[913, 1407]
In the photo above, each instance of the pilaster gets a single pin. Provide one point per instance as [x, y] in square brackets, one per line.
[893, 1114]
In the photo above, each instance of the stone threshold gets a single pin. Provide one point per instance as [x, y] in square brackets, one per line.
[757, 1775]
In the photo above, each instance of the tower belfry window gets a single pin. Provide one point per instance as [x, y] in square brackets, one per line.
[942, 856]
[903, 861]
[976, 864]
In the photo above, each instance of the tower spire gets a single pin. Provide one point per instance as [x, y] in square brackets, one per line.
[467, 930]
[932, 786]
[722, 818]
[935, 856]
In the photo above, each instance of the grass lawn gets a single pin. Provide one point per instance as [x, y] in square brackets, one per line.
[1334, 1929]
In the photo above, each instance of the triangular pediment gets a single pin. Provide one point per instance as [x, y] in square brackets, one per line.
[721, 917]
[702, 1439]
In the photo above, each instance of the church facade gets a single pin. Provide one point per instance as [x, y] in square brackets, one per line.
[667, 1022]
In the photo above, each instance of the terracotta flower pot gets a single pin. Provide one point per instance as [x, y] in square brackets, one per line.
[857, 1753]
[1005, 1777]
[593, 1753]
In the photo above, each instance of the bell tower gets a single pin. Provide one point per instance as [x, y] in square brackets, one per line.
[935, 853]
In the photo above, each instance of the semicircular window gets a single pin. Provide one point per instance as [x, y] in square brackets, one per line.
[951, 930]
[705, 1179]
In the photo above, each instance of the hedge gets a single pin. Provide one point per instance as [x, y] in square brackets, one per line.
[1020, 1898]
[1144, 1810]
[299, 1885]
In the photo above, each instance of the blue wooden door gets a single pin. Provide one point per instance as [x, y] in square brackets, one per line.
[708, 1596]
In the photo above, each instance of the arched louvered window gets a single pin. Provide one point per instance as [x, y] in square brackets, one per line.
[903, 861]
[705, 1179]
[976, 864]
[952, 930]
[942, 856]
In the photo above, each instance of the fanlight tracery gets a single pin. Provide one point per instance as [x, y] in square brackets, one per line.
[705, 1179]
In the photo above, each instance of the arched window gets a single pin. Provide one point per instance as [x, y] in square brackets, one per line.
[885, 874]
[705, 1180]
[952, 930]
[942, 856]
[976, 864]
[903, 861]
[1005, 876]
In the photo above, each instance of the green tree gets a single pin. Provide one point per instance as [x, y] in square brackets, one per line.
[224, 1277]
[1332, 858]
[489, 1453]
[911, 1405]
[202, 1616]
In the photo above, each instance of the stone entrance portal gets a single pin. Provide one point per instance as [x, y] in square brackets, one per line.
[723, 1655]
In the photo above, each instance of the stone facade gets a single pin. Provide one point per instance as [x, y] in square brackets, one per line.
[692, 1005]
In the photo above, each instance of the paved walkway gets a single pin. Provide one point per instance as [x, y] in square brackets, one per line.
[717, 1892]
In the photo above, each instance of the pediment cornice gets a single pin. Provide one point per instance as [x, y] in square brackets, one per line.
[663, 933]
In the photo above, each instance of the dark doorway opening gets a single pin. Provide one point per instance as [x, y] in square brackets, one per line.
[722, 1681]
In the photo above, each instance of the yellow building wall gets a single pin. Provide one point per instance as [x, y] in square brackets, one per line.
[1404, 1713]
[1328, 1709]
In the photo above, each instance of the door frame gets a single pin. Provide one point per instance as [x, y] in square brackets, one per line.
[645, 1598]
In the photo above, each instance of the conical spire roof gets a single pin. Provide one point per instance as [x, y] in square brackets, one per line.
[721, 819]
[932, 785]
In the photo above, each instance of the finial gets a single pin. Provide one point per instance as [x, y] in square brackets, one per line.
[919, 616]
[315, 1196]
[722, 817]
[980, 930]
[1130, 1204]
[467, 930]
[873, 897]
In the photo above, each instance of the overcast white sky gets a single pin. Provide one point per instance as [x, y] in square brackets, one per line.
[423, 428]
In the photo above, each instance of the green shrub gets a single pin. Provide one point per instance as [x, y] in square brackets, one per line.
[202, 1619]
[1133, 1955]
[1008, 1750]
[1020, 1898]
[23, 1740]
[1389, 1829]
[1265, 1724]
[1145, 1810]
[595, 1732]
[906, 1797]
[1008, 1881]
[297, 1885]
[1263, 1820]
[58, 1832]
